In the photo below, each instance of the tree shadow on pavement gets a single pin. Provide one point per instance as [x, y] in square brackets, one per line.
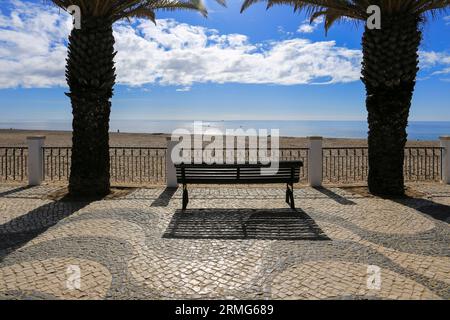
[412, 199]
[433, 209]
[22, 229]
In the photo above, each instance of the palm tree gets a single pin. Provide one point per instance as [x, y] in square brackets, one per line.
[389, 69]
[90, 74]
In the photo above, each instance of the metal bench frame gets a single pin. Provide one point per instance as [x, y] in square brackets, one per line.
[288, 172]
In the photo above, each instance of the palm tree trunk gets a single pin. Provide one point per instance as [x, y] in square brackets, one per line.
[389, 69]
[90, 75]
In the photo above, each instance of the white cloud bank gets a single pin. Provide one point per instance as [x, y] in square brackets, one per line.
[32, 48]
[33, 51]
[175, 53]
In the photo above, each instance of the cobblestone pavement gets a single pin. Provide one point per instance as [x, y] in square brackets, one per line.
[232, 243]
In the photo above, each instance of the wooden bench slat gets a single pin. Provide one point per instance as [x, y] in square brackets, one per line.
[231, 178]
[288, 171]
[256, 170]
[241, 181]
[281, 164]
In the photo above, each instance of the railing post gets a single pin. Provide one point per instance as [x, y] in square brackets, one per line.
[171, 175]
[315, 165]
[445, 144]
[35, 160]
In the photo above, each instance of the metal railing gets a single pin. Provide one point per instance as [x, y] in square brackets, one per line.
[129, 165]
[57, 163]
[351, 164]
[147, 165]
[345, 165]
[423, 163]
[138, 165]
[13, 163]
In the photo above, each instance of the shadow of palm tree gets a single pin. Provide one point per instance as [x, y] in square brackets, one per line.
[433, 209]
[20, 230]
[270, 224]
[412, 199]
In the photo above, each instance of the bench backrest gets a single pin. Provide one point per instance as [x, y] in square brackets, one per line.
[288, 172]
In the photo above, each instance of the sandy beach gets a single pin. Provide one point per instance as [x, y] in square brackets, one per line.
[64, 138]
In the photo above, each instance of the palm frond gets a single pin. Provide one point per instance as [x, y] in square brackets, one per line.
[120, 9]
[336, 10]
[248, 3]
[172, 5]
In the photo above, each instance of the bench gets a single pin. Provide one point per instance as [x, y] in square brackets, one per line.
[288, 172]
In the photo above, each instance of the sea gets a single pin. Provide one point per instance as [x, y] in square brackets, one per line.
[417, 130]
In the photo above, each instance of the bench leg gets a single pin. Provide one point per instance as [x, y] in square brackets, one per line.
[185, 197]
[288, 198]
[290, 195]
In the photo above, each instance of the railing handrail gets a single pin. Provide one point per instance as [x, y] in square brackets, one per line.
[137, 148]
[345, 148]
[426, 147]
[408, 147]
[283, 148]
[13, 147]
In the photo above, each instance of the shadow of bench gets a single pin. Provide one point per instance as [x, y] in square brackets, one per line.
[270, 224]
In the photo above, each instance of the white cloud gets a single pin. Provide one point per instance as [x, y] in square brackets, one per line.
[184, 89]
[447, 20]
[307, 27]
[430, 59]
[162, 55]
[437, 62]
[283, 32]
[33, 51]
[170, 53]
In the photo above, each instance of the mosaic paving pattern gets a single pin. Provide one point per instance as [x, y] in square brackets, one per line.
[232, 243]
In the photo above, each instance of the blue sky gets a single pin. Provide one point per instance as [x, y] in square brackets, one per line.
[256, 65]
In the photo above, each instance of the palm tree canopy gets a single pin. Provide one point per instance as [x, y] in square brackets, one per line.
[335, 10]
[120, 9]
